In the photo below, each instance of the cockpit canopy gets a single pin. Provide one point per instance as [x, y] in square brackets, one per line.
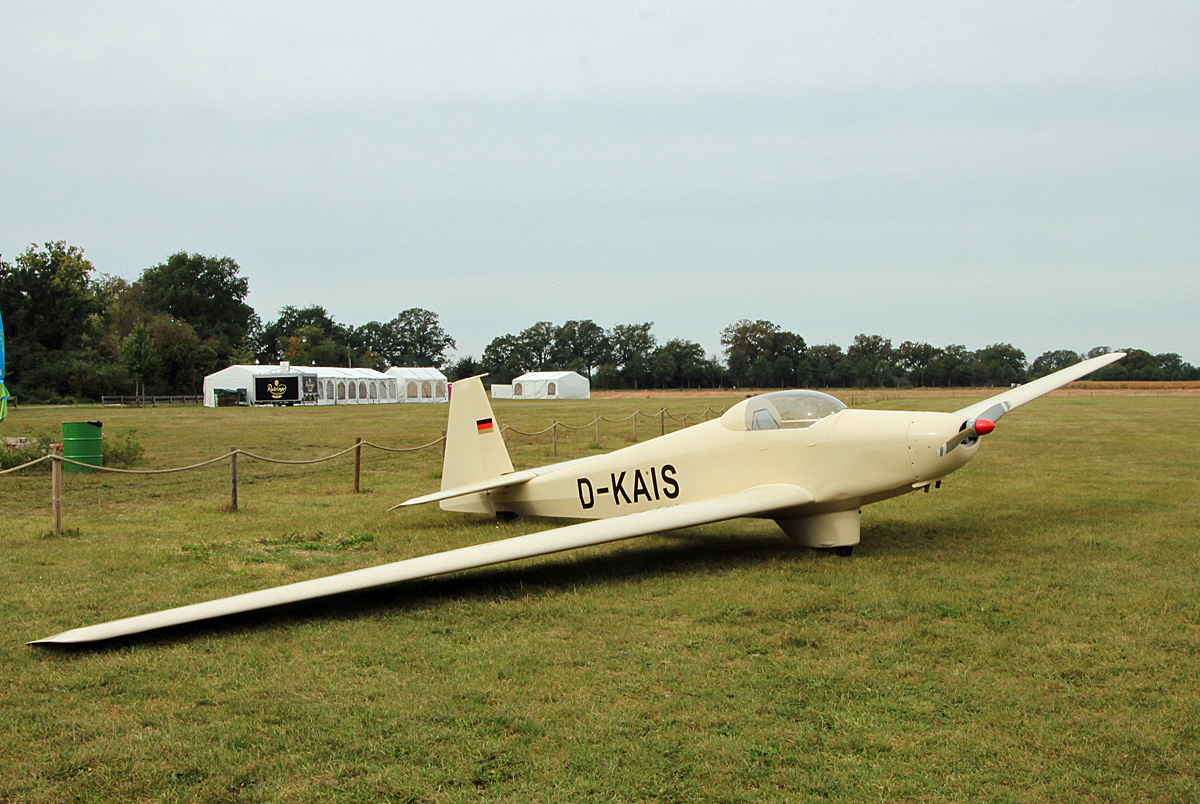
[789, 410]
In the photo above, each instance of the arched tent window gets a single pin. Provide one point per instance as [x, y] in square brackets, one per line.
[374, 389]
[391, 389]
[441, 390]
[362, 390]
[516, 389]
[341, 390]
[353, 391]
[552, 389]
[412, 390]
[427, 390]
[329, 390]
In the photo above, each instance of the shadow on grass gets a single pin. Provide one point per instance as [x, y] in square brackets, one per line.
[682, 552]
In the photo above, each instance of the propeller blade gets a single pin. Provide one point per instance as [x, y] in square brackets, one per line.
[971, 430]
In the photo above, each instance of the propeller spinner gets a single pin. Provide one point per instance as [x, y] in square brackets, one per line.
[969, 432]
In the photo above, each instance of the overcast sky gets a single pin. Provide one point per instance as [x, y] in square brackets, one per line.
[1021, 172]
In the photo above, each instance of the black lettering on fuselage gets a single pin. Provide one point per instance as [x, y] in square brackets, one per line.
[670, 484]
[618, 489]
[661, 483]
[639, 486]
[587, 497]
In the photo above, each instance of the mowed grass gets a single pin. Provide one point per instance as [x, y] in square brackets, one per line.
[1030, 632]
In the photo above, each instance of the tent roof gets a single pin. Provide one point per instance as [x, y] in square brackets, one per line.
[415, 371]
[541, 376]
[321, 371]
[345, 373]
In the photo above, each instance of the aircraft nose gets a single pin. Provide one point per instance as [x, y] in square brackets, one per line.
[926, 434]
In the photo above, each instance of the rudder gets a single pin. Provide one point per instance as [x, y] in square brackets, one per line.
[474, 447]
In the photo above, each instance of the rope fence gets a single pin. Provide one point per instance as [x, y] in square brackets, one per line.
[57, 460]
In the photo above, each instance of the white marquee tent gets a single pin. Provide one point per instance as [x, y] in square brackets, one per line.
[350, 386]
[420, 384]
[545, 385]
[320, 385]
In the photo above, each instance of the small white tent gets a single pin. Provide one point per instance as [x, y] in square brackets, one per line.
[420, 384]
[550, 385]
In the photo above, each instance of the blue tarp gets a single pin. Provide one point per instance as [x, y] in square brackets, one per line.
[3, 390]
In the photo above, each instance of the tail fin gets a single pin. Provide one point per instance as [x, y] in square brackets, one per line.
[475, 449]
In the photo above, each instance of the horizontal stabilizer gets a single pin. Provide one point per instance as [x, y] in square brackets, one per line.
[751, 502]
[501, 482]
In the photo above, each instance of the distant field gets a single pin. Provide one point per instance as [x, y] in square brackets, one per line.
[1080, 388]
[1030, 632]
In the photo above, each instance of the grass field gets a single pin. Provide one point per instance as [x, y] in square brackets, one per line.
[1030, 632]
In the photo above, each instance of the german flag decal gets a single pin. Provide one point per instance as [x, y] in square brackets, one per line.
[485, 425]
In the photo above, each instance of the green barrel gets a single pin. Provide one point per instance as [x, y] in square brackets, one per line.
[81, 442]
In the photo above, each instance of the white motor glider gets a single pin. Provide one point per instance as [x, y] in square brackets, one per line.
[801, 458]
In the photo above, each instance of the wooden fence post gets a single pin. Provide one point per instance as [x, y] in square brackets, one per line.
[56, 489]
[662, 421]
[597, 432]
[443, 447]
[635, 415]
[554, 437]
[357, 462]
[233, 501]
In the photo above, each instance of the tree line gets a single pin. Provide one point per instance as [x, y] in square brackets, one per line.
[761, 354]
[74, 333]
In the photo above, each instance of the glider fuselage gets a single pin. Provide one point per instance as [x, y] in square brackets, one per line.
[846, 459]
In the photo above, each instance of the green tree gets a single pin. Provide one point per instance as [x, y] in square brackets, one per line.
[998, 364]
[790, 365]
[952, 367]
[505, 358]
[823, 361]
[874, 361]
[312, 345]
[140, 356]
[420, 339]
[663, 367]
[208, 293]
[582, 343]
[1138, 366]
[537, 344]
[1173, 367]
[276, 337]
[632, 351]
[52, 319]
[1050, 362]
[915, 359]
[679, 363]
[123, 310]
[48, 297]
[749, 345]
[184, 359]
[464, 367]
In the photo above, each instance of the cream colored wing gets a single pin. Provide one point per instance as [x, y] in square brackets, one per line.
[995, 407]
[750, 502]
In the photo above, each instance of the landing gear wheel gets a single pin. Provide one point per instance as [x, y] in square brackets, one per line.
[844, 551]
